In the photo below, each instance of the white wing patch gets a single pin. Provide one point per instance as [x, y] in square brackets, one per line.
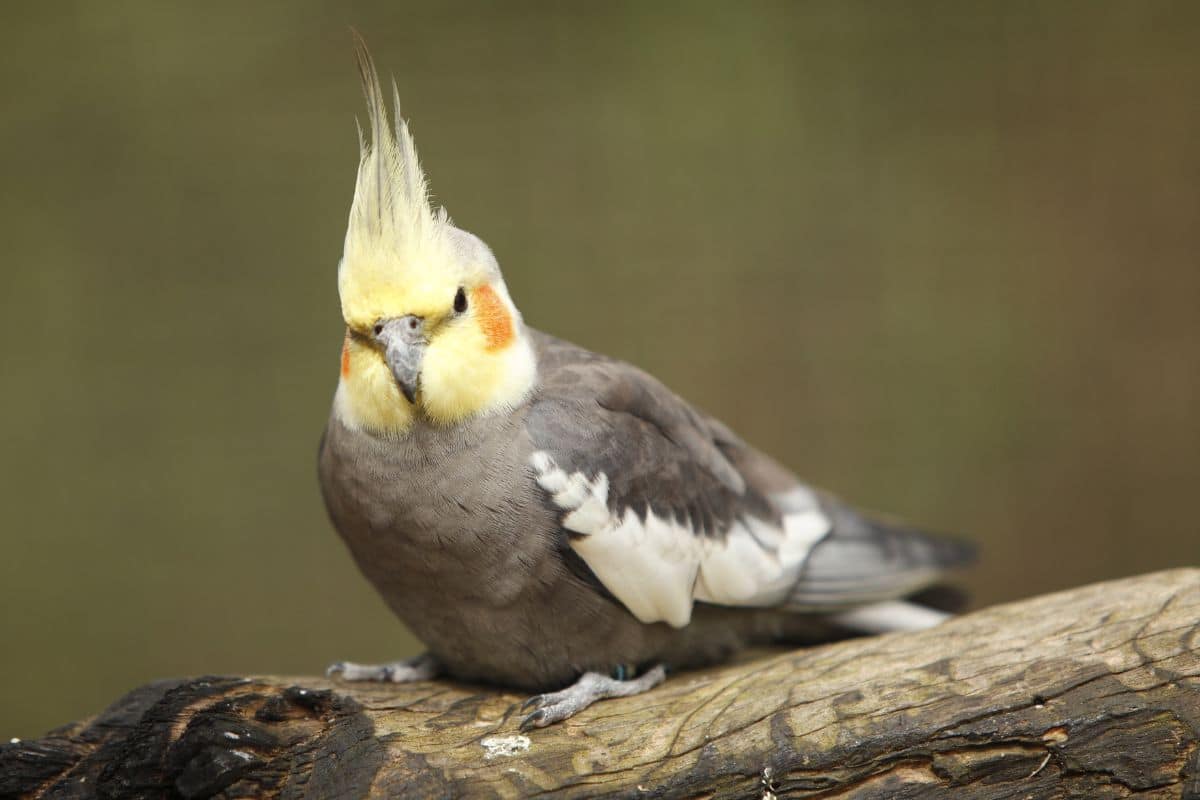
[658, 566]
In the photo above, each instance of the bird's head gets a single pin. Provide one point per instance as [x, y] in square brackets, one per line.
[430, 328]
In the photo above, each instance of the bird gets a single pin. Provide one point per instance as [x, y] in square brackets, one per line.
[550, 519]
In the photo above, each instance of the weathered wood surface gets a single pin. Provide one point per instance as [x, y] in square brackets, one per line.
[1092, 693]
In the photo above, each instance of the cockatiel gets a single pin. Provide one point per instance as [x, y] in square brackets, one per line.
[554, 520]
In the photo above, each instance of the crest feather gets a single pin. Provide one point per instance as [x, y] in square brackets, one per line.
[391, 213]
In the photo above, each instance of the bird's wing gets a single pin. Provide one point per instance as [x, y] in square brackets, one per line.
[664, 505]
[667, 506]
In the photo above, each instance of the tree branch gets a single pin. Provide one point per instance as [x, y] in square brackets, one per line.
[1091, 693]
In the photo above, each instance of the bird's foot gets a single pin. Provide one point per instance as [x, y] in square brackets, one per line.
[419, 668]
[557, 706]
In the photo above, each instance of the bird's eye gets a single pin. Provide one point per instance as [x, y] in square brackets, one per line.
[460, 301]
[378, 328]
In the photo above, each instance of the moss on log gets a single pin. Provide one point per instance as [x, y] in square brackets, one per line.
[1091, 693]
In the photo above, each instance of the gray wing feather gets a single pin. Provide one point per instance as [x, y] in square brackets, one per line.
[598, 415]
[628, 390]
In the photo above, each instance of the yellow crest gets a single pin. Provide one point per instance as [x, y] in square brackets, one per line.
[399, 252]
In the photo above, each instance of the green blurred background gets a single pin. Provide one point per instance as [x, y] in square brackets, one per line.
[942, 258]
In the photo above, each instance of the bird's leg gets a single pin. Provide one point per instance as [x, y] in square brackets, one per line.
[418, 668]
[557, 706]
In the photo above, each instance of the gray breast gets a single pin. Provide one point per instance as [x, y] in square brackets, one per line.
[436, 504]
[468, 553]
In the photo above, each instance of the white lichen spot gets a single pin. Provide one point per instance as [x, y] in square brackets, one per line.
[504, 746]
[231, 735]
[768, 784]
[243, 755]
[14, 740]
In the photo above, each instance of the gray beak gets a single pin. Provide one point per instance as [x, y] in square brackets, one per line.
[403, 341]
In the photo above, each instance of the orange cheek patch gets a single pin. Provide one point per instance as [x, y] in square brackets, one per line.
[493, 317]
[346, 355]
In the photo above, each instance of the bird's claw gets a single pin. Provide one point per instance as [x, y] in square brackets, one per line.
[534, 720]
[539, 703]
[550, 710]
[534, 702]
[554, 707]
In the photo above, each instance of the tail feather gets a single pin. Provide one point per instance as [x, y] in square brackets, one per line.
[889, 616]
[864, 561]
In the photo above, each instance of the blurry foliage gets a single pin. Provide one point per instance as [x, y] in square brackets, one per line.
[941, 258]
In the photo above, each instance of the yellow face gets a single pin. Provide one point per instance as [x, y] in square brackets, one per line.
[431, 331]
[475, 359]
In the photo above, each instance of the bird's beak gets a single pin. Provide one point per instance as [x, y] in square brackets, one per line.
[403, 341]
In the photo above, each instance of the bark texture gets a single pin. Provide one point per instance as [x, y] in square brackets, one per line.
[1091, 693]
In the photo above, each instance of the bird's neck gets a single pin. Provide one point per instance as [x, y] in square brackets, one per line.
[454, 386]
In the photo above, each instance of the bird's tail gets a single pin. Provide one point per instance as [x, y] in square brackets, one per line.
[874, 576]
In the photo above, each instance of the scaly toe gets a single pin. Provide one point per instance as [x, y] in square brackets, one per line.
[552, 710]
[353, 672]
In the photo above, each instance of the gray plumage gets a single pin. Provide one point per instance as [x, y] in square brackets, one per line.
[451, 527]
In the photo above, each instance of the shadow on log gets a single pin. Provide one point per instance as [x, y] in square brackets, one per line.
[1091, 693]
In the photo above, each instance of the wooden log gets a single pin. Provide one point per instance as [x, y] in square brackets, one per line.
[1090, 693]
